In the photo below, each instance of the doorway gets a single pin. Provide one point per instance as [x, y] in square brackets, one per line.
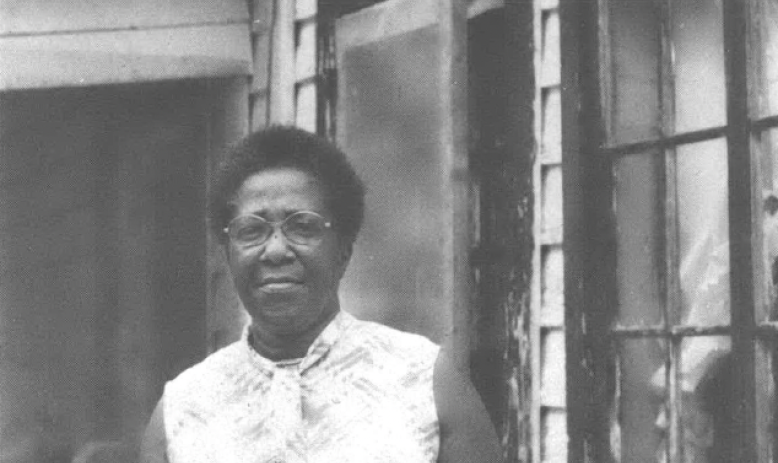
[102, 259]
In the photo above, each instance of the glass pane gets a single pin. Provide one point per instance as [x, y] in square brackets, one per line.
[388, 122]
[552, 312]
[639, 226]
[703, 215]
[698, 50]
[767, 15]
[552, 381]
[306, 107]
[551, 220]
[706, 399]
[549, 60]
[553, 447]
[766, 410]
[551, 138]
[305, 8]
[768, 165]
[638, 428]
[305, 54]
[634, 93]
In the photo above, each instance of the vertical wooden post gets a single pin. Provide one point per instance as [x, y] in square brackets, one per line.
[282, 64]
[454, 143]
[744, 232]
[589, 265]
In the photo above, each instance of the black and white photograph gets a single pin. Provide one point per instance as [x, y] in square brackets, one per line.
[388, 231]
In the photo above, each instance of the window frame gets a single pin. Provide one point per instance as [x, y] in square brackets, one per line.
[590, 236]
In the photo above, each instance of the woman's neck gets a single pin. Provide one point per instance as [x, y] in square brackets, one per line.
[277, 346]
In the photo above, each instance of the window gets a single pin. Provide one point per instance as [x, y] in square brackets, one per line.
[669, 117]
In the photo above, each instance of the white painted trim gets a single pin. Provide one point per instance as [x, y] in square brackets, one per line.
[98, 58]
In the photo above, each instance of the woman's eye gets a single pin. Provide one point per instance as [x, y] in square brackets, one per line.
[251, 233]
[303, 226]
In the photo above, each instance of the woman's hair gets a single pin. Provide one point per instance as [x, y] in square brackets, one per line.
[280, 146]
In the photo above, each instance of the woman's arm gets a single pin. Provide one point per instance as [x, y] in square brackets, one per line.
[153, 447]
[466, 432]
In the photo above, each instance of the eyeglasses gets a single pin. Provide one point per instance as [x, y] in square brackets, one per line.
[304, 228]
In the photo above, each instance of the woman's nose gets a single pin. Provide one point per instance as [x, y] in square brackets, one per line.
[276, 248]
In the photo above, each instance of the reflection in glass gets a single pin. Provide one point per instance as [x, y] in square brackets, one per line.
[698, 52]
[703, 217]
[636, 434]
[706, 404]
[769, 218]
[766, 411]
[639, 227]
[702, 400]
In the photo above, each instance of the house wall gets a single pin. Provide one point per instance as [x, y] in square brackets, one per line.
[57, 43]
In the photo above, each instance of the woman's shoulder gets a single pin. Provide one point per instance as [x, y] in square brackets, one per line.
[209, 374]
[392, 341]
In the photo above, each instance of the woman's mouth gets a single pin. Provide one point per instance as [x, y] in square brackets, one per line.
[280, 284]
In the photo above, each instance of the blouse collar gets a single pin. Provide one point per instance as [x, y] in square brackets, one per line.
[317, 350]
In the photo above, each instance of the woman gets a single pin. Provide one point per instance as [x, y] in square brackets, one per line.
[308, 382]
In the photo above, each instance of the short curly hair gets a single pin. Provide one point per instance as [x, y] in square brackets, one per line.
[282, 146]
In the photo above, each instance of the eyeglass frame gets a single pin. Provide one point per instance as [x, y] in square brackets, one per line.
[277, 225]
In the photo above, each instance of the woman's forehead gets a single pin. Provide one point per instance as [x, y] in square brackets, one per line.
[279, 190]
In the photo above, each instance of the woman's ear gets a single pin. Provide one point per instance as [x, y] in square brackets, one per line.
[224, 244]
[345, 251]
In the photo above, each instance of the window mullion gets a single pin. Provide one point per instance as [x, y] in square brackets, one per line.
[588, 236]
[673, 301]
[743, 231]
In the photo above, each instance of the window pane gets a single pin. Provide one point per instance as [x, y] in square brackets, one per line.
[767, 17]
[551, 220]
[640, 230]
[768, 165]
[549, 71]
[388, 121]
[766, 410]
[552, 287]
[306, 107]
[701, 179]
[637, 432]
[554, 428]
[635, 43]
[706, 399]
[698, 49]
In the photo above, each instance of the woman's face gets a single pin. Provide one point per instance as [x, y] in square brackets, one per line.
[288, 289]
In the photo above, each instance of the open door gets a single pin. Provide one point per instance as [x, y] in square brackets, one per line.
[388, 120]
[445, 145]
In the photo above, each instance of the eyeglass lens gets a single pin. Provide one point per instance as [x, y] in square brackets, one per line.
[304, 228]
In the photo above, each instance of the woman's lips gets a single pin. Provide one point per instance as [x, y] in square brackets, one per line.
[280, 284]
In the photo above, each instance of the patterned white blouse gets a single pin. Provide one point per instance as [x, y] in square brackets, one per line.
[363, 393]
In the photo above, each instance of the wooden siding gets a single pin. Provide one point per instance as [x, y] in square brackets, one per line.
[81, 43]
[33, 17]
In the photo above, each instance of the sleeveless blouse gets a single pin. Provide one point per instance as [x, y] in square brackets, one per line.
[362, 393]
